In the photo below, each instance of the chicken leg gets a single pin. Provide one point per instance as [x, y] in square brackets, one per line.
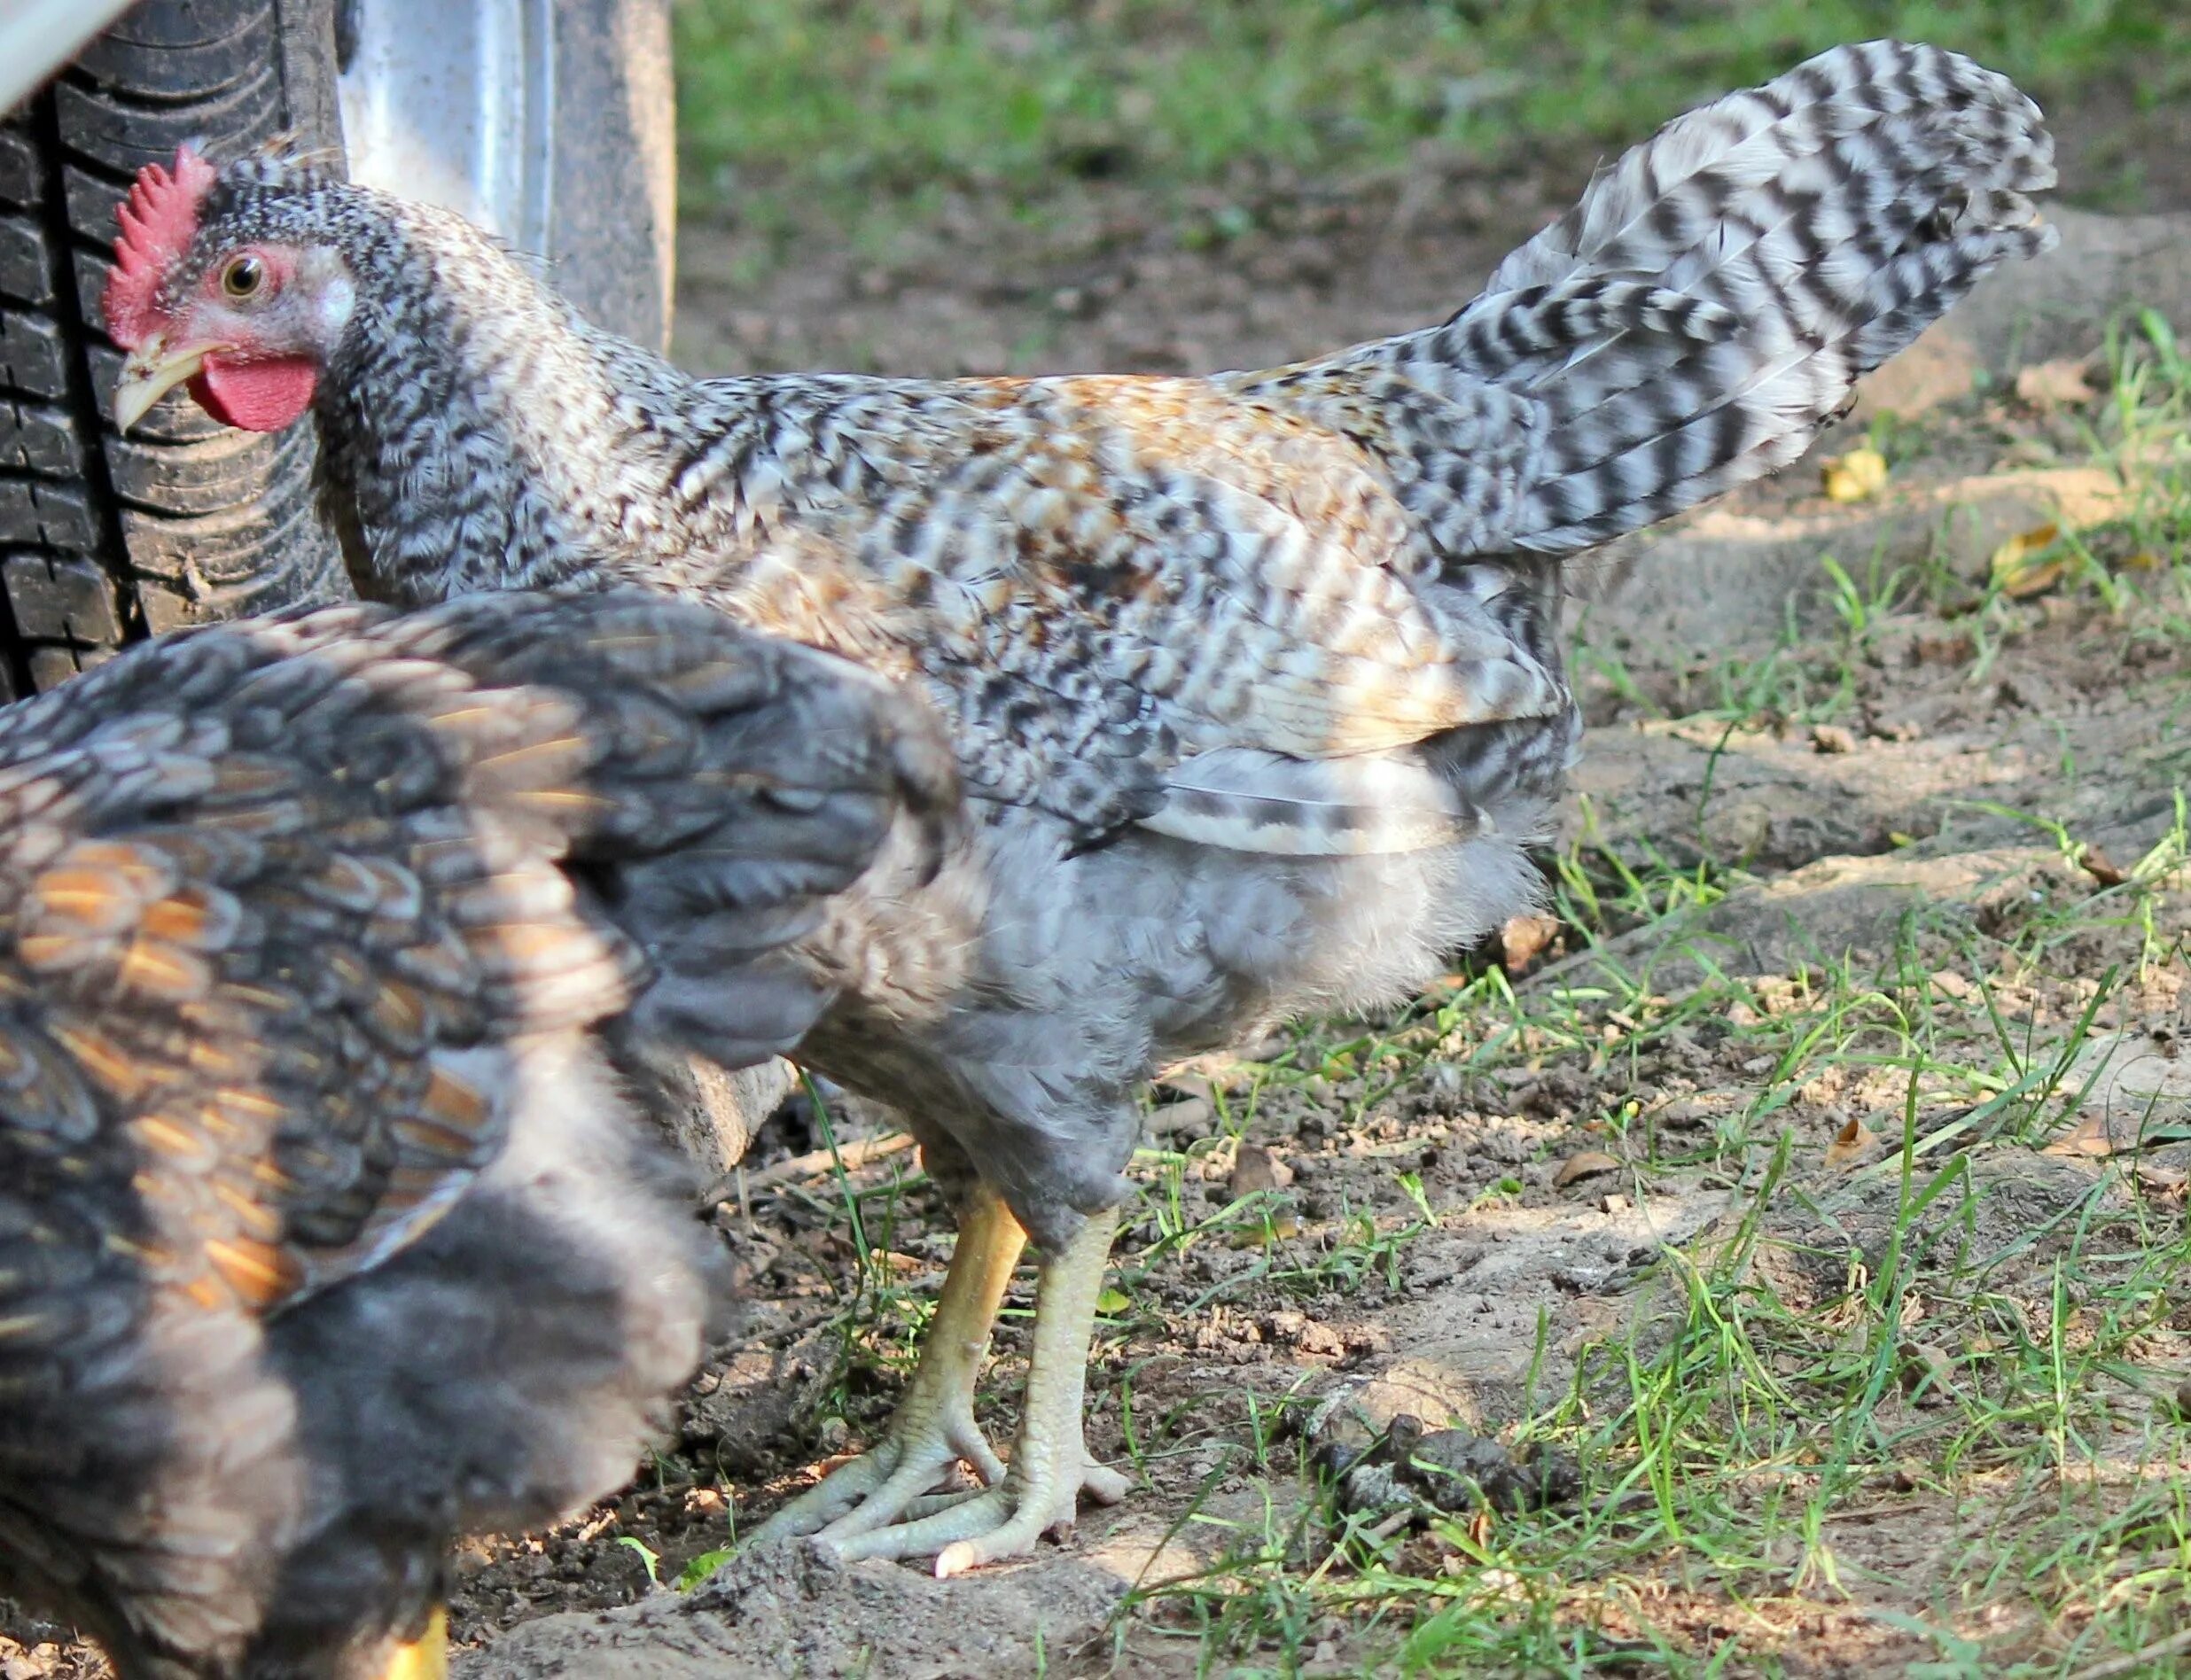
[1050, 1466]
[856, 1510]
[934, 1425]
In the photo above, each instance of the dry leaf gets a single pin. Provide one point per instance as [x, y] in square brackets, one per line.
[2089, 1137]
[2161, 1179]
[2133, 1092]
[1857, 475]
[1849, 1143]
[2021, 566]
[2048, 384]
[2102, 867]
[1588, 1165]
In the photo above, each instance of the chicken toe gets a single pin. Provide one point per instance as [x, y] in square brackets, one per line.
[934, 1427]
[1050, 1466]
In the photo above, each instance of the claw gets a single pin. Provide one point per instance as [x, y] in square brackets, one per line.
[1051, 1466]
[934, 1428]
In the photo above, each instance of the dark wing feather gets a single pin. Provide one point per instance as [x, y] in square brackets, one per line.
[281, 905]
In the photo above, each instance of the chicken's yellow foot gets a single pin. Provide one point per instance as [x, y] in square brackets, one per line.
[934, 1426]
[427, 1657]
[1051, 1466]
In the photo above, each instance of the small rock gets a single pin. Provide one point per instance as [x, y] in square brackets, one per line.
[1188, 1118]
[1526, 938]
[1588, 1165]
[1831, 737]
[1256, 1168]
[1612, 1204]
[1188, 1081]
[2183, 1397]
[1685, 1114]
[1321, 1341]
[1588, 1280]
[2051, 384]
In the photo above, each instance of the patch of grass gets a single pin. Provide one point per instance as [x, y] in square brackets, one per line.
[2135, 564]
[1865, 1412]
[793, 108]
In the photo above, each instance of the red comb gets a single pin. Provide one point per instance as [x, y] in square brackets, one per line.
[157, 221]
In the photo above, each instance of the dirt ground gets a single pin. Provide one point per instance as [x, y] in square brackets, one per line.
[1442, 1216]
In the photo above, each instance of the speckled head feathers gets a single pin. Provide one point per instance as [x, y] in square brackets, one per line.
[165, 212]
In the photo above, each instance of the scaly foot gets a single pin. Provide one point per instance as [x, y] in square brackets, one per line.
[934, 1427]
[1050, 1467]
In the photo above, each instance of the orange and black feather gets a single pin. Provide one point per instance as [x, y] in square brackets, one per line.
[285, 908]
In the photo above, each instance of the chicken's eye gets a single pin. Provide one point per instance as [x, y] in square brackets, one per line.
[243, 278]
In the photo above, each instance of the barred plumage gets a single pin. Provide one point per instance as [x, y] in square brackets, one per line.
[326, 1235]
[1255, 679]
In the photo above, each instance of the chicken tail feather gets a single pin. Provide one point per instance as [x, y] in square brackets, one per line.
[1708, 305]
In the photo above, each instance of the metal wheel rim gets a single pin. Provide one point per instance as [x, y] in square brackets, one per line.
[454, 102]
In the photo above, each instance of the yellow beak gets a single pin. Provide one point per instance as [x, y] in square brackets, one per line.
[427, 1657]
[152, 371]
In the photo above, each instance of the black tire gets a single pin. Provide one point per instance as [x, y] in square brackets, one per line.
[105, 541]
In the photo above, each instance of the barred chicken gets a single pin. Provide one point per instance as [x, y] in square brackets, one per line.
[326, 1234]
[1255, 679]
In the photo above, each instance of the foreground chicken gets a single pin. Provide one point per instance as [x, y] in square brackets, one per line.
[326, 1236]
[1255, 678]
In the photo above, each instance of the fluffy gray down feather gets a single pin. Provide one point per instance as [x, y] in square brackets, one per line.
[326, 1235]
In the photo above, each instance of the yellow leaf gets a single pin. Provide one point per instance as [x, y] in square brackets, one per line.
[1111, 1303]
[1857, 475]
[2021, 565]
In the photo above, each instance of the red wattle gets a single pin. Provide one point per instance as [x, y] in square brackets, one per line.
[258, 396]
